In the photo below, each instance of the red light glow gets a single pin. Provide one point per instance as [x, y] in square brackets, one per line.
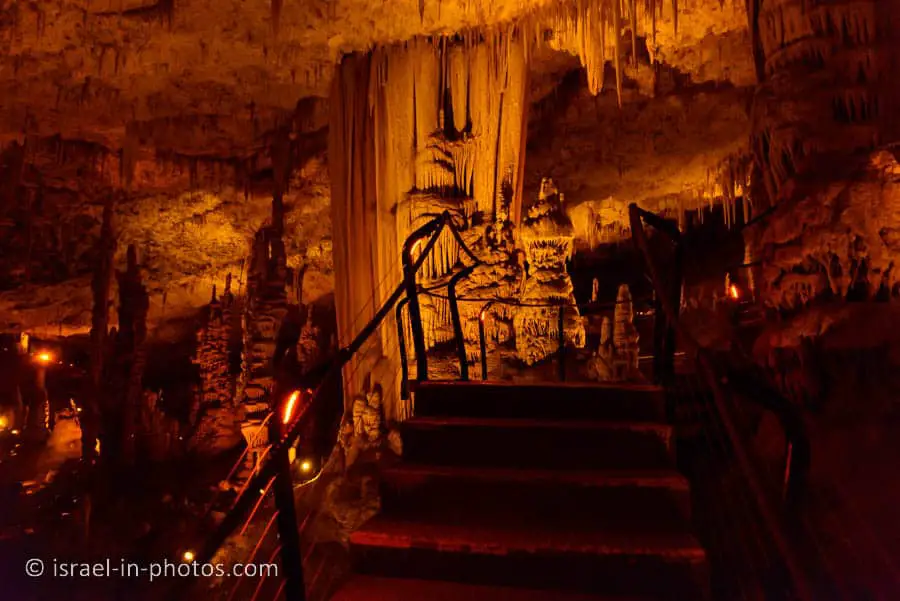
[734, 293]
[290, 406]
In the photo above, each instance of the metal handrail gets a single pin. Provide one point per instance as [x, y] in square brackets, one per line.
[324, 375]
[797, 463]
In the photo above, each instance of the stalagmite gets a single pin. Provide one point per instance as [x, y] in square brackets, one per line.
[625, 337]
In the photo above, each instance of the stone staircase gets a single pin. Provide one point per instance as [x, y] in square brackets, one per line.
[531, 493]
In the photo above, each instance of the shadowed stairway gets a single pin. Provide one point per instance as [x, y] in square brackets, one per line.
[531, 493]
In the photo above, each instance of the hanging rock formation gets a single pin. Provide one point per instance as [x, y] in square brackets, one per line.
[825, 127]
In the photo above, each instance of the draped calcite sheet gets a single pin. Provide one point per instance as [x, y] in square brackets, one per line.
[416, 128]
[828, 102]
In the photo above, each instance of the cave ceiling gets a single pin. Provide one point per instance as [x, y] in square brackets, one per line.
[208, 77]
[172, 105]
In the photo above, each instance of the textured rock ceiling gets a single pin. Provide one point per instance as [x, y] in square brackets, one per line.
[191, 90]
[85, 69]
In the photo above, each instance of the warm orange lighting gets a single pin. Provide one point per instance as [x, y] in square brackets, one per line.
[418, 245]
[306, 466]
[44, 357]
[289, 407]
[482, 315]
[4, 422]
[188, 556]
[733, 292]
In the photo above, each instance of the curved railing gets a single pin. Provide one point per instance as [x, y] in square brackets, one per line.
[273, 474]
[729, 379]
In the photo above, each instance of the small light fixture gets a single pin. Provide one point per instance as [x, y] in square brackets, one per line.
[306, 466]
[289, 407]
[4, 422]
[44, 357]
[188, 556]
[734, 293]
[14, 432]
[482, 315]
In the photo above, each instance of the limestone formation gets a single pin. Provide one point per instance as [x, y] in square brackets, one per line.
[217, 423]
[308, 350]
[547, 236]
[823, 135]
[601, 365]
[372, 420]
[625, 338]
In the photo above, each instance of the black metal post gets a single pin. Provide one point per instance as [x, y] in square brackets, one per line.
[457, 322]
[415, 313]
[288, 528]
[660, 332]
[677, 281]
[561, 334]
[401, 342]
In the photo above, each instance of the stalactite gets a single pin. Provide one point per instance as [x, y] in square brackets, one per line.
[276, 14]
[617, 20]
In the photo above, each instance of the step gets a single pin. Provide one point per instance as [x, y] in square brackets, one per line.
[554, 400]
[609, 559]
[531, 443]
[536, 493]
[371, 588]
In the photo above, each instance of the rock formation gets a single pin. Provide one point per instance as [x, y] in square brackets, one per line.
[601, 365]
[823, 135]
[217, 425]
[625, 337]
[548, 239]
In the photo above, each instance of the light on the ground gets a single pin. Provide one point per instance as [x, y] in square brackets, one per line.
[289, 407]
[188, 556]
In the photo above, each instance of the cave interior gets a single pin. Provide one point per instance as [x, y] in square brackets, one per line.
[445, 299]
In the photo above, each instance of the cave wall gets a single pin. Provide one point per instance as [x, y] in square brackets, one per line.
[825, 130]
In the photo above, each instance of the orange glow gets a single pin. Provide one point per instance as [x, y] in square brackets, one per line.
[290, 406]
[306, 466]
[188, 556]
[733, 292]
[4, 422]
[483, 314]
[44, 357]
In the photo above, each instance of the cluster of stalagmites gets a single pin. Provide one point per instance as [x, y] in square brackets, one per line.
[548, 237]
[616, 358]
[363, 428]
[214, 417]
[131, 425]
[511, 303]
